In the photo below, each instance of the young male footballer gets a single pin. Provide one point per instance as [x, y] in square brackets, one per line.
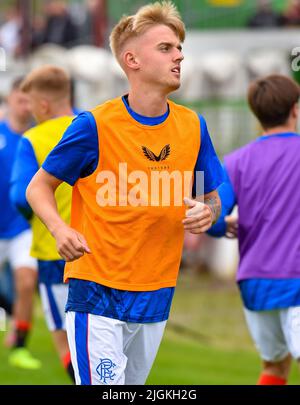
[129, 161]
[263, 181]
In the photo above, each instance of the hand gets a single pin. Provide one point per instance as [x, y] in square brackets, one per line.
[199, 217]
[231, 227]
[71, 245]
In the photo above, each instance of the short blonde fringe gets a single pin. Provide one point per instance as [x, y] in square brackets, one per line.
[164, 13]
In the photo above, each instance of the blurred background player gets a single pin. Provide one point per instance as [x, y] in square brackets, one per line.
[120, 293]
[15, 233]
[48, 89]
[263, 181]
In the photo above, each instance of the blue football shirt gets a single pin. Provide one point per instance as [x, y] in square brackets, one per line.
[11, 222]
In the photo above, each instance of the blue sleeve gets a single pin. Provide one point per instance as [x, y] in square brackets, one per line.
[228, 200]
[77, 153]
[24, 168]
[207, 163]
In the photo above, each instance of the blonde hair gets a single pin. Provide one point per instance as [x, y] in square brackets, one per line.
[48, 79]
[164, 13]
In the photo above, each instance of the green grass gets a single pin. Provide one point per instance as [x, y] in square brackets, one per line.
[41, 347]
[206, 342]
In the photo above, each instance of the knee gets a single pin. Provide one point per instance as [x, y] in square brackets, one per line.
[26, 285]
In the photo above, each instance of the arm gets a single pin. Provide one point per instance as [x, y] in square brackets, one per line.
[24, 168]
[225, 225]
[41, 196]
[204, 211]
[201, 216]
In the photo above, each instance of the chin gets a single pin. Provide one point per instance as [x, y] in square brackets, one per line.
[174, 86]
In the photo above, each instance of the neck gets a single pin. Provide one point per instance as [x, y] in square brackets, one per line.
[61, 111]
[280, 129]
[17, 125]
[146, 102]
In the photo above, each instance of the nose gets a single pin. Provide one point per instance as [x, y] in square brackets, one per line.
[178, 55]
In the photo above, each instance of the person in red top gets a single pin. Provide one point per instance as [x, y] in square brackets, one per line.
[132, 161]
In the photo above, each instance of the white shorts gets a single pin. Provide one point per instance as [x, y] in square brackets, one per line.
[16, 251]
[276, 333]
[106, 351]
[54, 299]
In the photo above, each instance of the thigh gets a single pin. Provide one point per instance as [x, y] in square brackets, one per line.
[141, 343]
[267, 334]
[54, 299]
[290, 320]
[19, 251]
[96, 346]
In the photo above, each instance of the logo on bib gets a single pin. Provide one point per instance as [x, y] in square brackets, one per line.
[164, 153]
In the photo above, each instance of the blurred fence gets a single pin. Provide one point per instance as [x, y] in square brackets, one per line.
[230, 123]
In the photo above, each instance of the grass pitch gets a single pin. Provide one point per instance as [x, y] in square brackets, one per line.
[206, 342]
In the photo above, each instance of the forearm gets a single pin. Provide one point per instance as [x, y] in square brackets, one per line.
[201, 214]
[41, 197]
[228, 199]
[212, 200]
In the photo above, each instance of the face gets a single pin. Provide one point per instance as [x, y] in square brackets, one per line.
[158, 56]
[19, 106]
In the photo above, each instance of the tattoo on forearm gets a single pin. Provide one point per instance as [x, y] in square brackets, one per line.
[215, 206]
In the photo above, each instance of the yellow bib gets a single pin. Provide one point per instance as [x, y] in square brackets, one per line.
[44, 138]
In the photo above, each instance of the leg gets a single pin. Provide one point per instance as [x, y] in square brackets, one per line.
[96, 345]
[25, 278]
[6, 288]
[276, 373]
[266, 330]
[141, 343]
[25, 283]
[54, 298]
[290, 320]
[60, 340]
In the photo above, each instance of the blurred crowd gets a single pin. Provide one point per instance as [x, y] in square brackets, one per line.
[266, 16]
[71, 23]
[57, 22]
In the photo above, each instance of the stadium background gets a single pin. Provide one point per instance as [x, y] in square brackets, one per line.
[206, 341]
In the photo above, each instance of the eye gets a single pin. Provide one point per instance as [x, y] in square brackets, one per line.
[164, 48]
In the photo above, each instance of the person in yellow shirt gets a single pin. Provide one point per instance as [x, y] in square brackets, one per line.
[48, 89]
[131, 162]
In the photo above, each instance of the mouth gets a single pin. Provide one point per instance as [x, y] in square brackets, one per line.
[176, 70]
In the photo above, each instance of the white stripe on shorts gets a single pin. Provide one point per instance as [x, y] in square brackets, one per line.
[54, 299]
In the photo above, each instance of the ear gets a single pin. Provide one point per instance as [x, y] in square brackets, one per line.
[131, 61]
[45, 106]
[295, 111]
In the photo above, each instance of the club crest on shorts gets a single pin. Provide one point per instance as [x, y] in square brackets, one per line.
[105, 370]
